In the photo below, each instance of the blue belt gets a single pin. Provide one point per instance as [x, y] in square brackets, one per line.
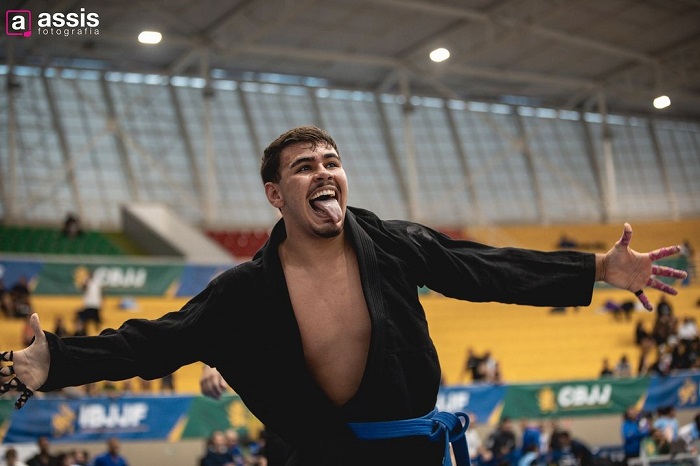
[436, 425]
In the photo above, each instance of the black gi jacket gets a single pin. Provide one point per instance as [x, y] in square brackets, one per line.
[244, 325]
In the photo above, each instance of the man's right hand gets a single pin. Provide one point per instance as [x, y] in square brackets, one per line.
[30, 366]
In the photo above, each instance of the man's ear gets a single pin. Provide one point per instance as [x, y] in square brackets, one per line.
[274, 196]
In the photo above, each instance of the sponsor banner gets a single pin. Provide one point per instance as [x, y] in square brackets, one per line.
[12, 270]
[92, 419]
[196, 277]
[679, 390]
[128, 278]
[480, 401]
[6, 408]
[574, 398]
[127, 417]
[207, 415]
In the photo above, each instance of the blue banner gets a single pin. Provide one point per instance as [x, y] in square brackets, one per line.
[196, 277]
[12, 270]
[480, 401]
[679, 390]
[91, 419]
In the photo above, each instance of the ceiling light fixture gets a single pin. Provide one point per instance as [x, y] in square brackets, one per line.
[150, 37]
[439, 55]
[662, 101]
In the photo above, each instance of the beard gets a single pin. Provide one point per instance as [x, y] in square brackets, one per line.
[330, 231]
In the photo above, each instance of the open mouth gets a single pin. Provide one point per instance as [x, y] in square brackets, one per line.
[321, 197]
[325, 204]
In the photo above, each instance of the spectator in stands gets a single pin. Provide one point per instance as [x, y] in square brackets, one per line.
[92, 302]
[335, 291]
[640, 332]
[497, 374]
[627, 308]
[11, 458]
[112, 457]
[664, 327]
[688, 330]
[234, 447]
[694, 353]
[59, 328]
[606, 371]
[529, 456]
[490, 368]
[682, 356]
[21, 298]
[79, 328]
[255, 451]
[502, 443]
[217, 453]
[635, 427]
[612, 307]
[623, 368]
[472, 365]
[65, 459]
[567, 451]
[478, 454]
[647, 349]
[655, 444]
[663, 364]
[547, 435]
[71, 226]
[690, 432]
[666, 422]
[664, 308]
[43, 456]
[532, 435]
[566, 242]
[6, 306]
[80, 457]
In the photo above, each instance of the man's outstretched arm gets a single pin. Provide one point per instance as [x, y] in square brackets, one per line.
[623, 267]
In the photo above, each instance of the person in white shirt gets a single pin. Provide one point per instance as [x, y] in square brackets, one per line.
[92, 302]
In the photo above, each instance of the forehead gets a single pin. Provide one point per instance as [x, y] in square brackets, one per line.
[302, 150]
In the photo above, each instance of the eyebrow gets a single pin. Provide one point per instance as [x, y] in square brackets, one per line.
[300, 160]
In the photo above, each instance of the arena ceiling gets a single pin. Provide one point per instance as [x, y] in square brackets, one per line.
[613, 55]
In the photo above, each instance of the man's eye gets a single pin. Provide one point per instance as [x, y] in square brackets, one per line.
[304, 168]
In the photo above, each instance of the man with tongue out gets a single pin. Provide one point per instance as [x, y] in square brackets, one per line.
[344, 369]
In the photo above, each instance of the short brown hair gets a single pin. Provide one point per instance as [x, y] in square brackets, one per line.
[269, 168]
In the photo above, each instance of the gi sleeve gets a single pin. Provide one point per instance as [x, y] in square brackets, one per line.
[477, 272]
[145, 348]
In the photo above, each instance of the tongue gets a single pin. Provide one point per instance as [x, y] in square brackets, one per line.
[330, 208]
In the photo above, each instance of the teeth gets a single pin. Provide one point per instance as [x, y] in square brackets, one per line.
[325, 192]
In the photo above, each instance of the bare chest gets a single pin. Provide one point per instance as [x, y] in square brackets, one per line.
[330, 308]
[334, 324]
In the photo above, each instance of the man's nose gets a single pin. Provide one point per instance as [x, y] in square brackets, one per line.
[323, 173]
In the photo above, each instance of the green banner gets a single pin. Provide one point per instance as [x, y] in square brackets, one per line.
[573, 398]
[132, 279]
[6, 409]
[207, 415]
